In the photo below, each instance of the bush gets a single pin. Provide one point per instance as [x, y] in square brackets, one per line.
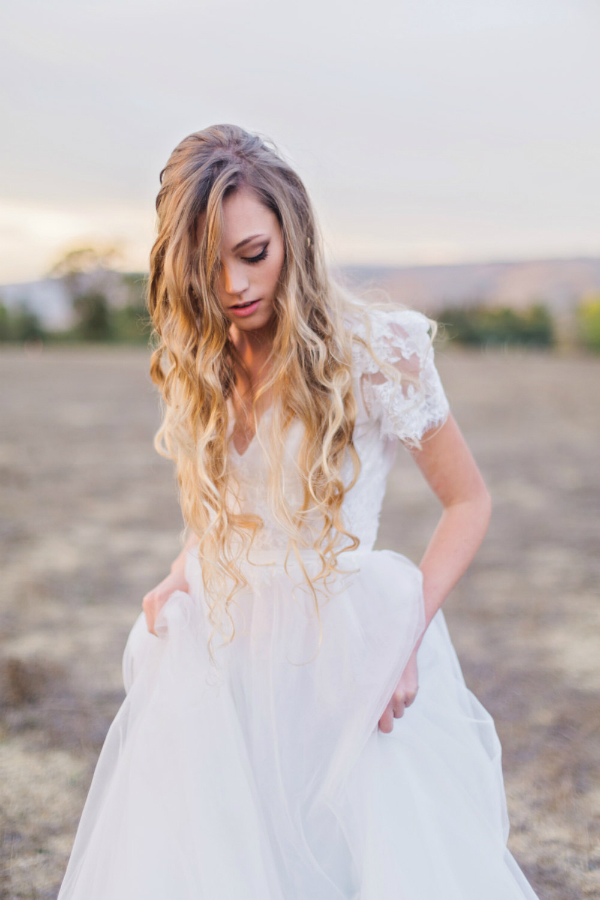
[500, 325]
[132, 324]
[5, 330]
[587, 316]
[98, 320]
[19, 324]
[93, 317]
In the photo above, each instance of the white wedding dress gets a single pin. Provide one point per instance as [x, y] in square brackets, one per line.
[269, 779]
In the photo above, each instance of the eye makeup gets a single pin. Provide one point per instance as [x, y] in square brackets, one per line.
[255, 259]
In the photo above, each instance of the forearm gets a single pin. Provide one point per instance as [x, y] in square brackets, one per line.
[453, 545]
[178, 563]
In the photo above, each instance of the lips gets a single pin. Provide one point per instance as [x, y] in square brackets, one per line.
[245, 309]
[243, 305]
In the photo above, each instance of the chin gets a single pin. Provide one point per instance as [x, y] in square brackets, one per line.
[256, 322]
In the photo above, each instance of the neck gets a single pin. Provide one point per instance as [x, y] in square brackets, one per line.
[253, 347]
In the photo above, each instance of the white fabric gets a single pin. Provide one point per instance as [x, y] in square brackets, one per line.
[400, 337]
[268, 779]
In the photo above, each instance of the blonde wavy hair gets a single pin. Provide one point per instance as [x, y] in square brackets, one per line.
[194, 362]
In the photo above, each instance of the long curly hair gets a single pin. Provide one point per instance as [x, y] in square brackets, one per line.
[194, 359]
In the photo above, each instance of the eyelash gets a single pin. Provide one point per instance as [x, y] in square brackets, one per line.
[255, 259]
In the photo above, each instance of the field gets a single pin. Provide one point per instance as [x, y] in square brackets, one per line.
[90, 522]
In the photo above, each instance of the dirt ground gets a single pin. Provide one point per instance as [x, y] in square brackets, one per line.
[90, 522]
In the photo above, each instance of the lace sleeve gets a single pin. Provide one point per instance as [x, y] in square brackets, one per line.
[417, 403]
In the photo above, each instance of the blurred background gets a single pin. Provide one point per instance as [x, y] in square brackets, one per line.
[451, 150]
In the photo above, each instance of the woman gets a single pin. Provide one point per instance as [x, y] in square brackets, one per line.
[256, 756]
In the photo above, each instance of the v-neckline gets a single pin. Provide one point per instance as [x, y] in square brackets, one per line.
[253, 438]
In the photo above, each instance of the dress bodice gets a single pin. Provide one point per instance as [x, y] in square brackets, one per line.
[387, 414]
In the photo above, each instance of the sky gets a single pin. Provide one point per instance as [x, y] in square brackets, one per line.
[426, 131]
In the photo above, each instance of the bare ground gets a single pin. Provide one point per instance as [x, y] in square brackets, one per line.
[90, 522]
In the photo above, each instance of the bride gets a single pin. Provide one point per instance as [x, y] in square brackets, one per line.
[296, 725]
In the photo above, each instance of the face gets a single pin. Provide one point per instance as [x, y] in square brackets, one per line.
[252, 255]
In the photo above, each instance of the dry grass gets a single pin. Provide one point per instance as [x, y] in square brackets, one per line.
[90, 522]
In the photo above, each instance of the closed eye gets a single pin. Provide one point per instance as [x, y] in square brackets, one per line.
[255, 259]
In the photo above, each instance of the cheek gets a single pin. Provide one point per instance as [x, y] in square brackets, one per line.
[274, 270]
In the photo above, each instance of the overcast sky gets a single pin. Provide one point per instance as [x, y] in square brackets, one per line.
[425, 130]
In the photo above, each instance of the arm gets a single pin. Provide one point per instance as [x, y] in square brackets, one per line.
[178, 564]
[451, 472]
[155, 599]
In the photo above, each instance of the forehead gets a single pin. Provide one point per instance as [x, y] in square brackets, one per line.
[243, 215]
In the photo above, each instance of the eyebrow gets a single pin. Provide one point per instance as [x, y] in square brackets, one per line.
[247, 241]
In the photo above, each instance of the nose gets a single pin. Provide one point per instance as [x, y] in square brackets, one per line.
[235, 279]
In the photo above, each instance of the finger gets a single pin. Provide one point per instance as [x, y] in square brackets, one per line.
[150, 623]
[386, 723]
[398, 703]
[148, 602]
[149, 607]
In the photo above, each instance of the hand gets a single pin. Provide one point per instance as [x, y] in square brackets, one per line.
[403, 696]
[155, 599]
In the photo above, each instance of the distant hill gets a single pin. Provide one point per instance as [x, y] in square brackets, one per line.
[558, 283]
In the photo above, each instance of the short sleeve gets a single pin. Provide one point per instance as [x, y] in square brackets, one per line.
[410, 408]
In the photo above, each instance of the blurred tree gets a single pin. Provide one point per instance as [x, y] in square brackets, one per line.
[137, 283]
[93, 317]
[25, 324]
[78, 260]
[20, 324]
[491, 325]
[5, 331]
[88, 272]
[587, 315]
[132, 323]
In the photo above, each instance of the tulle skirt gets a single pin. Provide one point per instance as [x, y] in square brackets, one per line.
[267, 778]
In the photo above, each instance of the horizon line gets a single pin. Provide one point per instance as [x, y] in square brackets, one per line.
[506, 261]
